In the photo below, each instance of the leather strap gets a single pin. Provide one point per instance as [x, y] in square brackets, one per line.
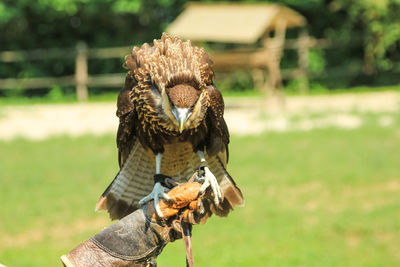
[162, 179]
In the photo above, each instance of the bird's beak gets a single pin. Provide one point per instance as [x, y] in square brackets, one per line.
[181, 115]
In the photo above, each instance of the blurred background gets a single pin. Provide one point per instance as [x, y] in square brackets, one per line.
[312, 95]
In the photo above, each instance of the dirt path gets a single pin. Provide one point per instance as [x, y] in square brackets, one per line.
[243, 116]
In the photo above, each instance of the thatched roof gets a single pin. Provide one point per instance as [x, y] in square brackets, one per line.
[231, 22]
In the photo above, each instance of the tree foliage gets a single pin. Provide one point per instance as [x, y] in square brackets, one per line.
[363, 32]
[377, 23]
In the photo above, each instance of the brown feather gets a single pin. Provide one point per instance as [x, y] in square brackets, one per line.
[183, 95]
[218, 139]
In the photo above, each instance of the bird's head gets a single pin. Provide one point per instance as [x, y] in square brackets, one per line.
[182, 104]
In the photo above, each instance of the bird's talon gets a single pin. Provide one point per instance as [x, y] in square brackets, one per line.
[157, 193]
[204, 186]
[167, 198]
[211, 181]
[159, 212]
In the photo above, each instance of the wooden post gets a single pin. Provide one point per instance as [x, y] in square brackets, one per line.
[303, 52]
[81, 71]
[274, 48]
[258, 76]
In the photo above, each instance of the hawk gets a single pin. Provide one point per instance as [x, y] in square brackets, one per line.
[170, 123]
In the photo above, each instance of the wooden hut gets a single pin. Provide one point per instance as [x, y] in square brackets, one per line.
[249, 24]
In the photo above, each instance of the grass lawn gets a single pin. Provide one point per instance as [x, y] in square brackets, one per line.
[319, 198]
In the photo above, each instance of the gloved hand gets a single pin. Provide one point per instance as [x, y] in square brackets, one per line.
[137, 239]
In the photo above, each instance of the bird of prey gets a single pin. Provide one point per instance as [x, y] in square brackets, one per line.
[170, 123]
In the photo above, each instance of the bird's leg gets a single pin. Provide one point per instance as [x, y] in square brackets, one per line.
[209, 180]
[158, 190]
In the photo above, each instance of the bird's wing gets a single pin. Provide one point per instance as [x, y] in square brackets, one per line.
[128, 147]
[133, 182]
[127, 114]
[126, 136]
[217, 150]
[218, 137]
[232, 195]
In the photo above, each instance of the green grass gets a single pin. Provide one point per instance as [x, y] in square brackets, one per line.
[319, 198]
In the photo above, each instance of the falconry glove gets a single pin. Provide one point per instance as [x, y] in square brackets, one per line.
[137, 239]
